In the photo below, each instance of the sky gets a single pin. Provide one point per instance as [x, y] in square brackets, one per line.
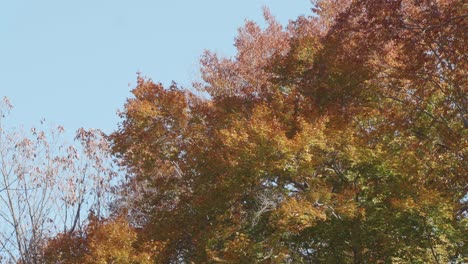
[74, 62]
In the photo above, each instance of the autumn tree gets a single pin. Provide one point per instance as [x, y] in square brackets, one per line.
[47, 186]
[338, 139]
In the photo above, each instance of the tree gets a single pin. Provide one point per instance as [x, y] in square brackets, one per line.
[340, 139]
[46, 186]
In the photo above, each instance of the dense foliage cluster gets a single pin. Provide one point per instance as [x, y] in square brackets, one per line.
[341, 138]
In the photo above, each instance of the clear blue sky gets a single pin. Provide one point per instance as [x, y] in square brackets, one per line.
[73, 62]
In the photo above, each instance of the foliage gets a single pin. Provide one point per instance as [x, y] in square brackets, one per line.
[338, 139]
[46, 185]
[102, 241]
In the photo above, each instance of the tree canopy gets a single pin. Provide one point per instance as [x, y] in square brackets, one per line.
[341, 138]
